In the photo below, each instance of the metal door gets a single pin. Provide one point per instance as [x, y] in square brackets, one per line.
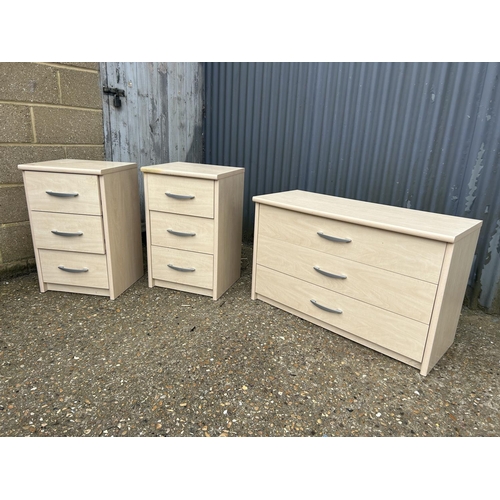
[152, 113]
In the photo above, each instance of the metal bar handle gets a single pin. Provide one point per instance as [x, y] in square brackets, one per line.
[180, 196]
[62, 233]
[334, 238]
[330, 275]
[336, 311]
[62, 195]
[70, 270]
[182, 269]
[180, 233]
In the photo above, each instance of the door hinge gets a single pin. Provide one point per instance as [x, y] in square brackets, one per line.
[116, 93]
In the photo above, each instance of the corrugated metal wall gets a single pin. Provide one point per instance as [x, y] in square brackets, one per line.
[419, 135]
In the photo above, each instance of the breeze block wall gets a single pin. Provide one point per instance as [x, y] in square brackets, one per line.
[48, 111]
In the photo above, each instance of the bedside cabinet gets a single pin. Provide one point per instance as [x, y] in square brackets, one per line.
[392, 279]
[194, 218]
[86, 226]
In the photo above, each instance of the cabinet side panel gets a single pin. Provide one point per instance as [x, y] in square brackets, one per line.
[255, 251]
[43, 286]
[122, 229]
[148, 229]
[449, 299]
[229, 220]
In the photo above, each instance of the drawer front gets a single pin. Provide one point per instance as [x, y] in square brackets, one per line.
[179, 266]
[67, 193]
[181, 195]
[73, 233]
[409, 255]
[74, 265]
[384, 328]
[184, 232]
[395, 292]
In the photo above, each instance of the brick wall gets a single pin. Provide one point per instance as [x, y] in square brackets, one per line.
[47, 111]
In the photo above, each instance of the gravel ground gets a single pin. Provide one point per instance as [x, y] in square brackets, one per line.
[157, 362]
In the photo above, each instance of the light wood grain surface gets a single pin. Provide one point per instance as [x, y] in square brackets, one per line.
[201, 228]
[405, 271]
[202, 191]
[213, 215]
[388, 290]
[193, 170]
[77, 166]
[92, 239]
[104, 207]
[203, 265]
[387, 329]
[87, 201]
[383, 249]
[96, 276]
[403, 220]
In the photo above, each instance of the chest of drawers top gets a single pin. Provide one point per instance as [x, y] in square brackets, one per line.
[193, 170]
[70, 166]
[423, 224]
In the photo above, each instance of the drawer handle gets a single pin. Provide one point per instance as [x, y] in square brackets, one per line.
[334, 238]
[180, 196]
[179, 233]
[62, 233]
[182, 269]
[70, 270]
[336, 311]
[330, 275]
[62, 195]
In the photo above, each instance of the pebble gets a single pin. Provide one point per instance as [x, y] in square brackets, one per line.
[158, 362]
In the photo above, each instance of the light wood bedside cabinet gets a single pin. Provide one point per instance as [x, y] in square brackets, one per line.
[86, 225]
[392, 279]
[194, 218]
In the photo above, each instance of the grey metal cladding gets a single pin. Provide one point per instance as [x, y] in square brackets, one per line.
[418, 135]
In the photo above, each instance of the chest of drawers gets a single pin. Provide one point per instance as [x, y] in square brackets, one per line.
[392, 279]
[86, 226]
[194, 226]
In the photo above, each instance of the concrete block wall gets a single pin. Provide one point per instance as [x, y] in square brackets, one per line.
[48, 111]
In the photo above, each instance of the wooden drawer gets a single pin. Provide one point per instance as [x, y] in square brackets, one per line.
[74, 233]
[181, 195]
[184, 232]
[67, 193]
[180, 266]
[384, 328]
[400, 294]
[375, 247]
[74, 264]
